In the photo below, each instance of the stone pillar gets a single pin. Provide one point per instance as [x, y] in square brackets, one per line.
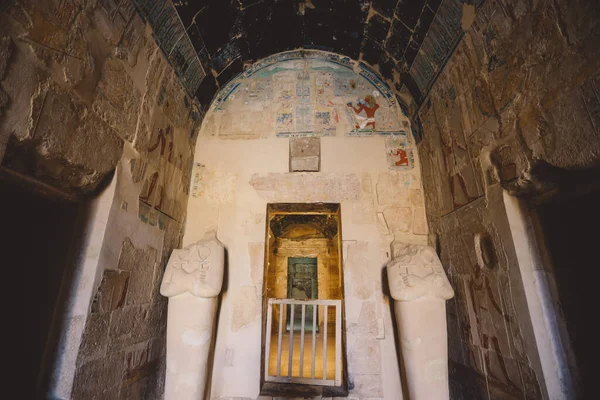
[192, 282]
[420, 289]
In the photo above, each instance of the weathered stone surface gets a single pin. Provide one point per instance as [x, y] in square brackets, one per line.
[257, 262]
[366, 385]
[70, 91]
[3, 100]
[131, 258]
[99, 378]
[6, 48]
[112, 291]
[364, 356]
[95, 337]
[141, 284]
[141, 264]
[134, 324]
[363, 212]
[245, 307]
[392, 189]
[382, 225]
[416, 197]
[138, 169]
[138, 389]
[117, 101]
[219, 186]
[399, 219]
[72, 149]
[142, 360]
[94, 146]
[515, 111]
[305, 154]
[366, 324]
[356, 264]
[306, 187]
[420, 222]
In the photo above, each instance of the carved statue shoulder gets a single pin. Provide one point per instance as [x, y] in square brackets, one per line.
[416, 272]
[197, 269]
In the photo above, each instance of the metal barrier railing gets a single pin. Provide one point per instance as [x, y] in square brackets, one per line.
[304, 307]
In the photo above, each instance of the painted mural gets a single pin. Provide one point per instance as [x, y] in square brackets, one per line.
[306, 93]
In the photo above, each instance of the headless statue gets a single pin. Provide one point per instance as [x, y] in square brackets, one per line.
[192, 282]
[420, 289]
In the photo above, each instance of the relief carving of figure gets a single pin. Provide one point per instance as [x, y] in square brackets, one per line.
[456, 160]
[488, 313]
[162, 176]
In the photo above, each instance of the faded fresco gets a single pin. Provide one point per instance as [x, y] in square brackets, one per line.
[306, 93]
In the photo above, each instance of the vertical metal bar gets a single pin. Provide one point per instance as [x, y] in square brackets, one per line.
[325, 341]
[302, 341]
[314, 338]
[338, 343]
[279, 340]
[268, 338]
[291, 341]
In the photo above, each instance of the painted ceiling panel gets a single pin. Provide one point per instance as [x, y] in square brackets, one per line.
[408, 38]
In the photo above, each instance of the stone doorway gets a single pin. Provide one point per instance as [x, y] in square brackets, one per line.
[303, 306]
[40, 226]
[567, 227]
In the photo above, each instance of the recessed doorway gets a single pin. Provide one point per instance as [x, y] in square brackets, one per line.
[303, 314]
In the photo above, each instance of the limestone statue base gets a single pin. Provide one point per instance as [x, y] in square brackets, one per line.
[420, 288]
[190, 330]
[193, 280]
[424, 347]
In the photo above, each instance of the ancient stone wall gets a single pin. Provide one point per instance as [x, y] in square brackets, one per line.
[517, 104]
[85, 91]
[246, 150]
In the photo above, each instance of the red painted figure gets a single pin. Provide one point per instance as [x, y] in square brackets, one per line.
[403, 157]
[369, 106]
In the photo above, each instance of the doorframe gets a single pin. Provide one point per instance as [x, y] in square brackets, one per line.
[294, 390]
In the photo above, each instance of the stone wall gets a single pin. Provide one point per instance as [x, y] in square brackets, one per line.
[235, 176]
[517, 105]
[378, 206]
[85, 91]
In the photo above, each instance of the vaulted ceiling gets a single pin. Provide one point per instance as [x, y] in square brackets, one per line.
[209, 41]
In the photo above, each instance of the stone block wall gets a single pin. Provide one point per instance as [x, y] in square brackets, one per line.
[517, 103]
[378, 206]
[84, 92]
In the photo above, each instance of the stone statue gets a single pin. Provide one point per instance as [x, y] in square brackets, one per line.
[420, 289]
[192, 282]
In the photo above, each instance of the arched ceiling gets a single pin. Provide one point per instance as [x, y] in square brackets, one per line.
[211, 41]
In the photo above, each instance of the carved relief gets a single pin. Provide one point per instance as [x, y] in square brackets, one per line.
[197, 269]
[417, 272]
